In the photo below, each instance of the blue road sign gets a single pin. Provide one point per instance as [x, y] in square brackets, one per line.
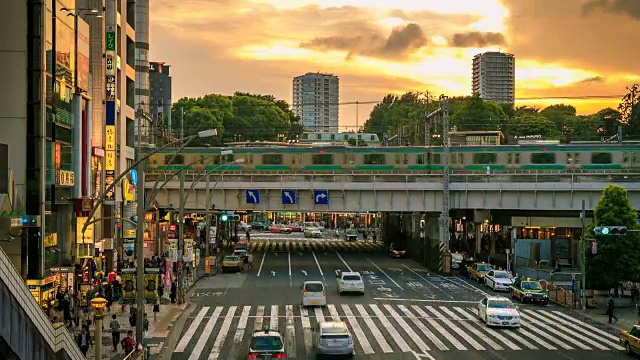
[252, 196]
[358, 215]
[288, 197]
[321, 197]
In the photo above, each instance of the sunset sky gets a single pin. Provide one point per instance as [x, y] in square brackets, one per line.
[563, 48]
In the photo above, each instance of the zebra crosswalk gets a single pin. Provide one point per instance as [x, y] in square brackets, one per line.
[224, 332]
[314, 245]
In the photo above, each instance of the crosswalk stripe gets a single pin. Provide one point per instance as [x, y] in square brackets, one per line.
[182, 345]
[257, 324]
[545, 334]
[476, 345]
[523, 332]
[206, 333]
[319, 314]
[240, 330]
[374, 329]
[306, 329]
[584, 331]
[439, 344]
[457, 344]
[582, 323]
[290, 334]
[542, 321]
[403, 325]
[334, 312]
[390, 329]
[473, 329]
[355, 326]
[490, 331]
[222, 335]
[273, 324]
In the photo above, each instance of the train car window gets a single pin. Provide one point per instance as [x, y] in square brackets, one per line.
[250, 158]
[420, 159]
[372, 138]
[229, 158]
[322, 159]
[513, 158]
[543, 158]
[348, 159]
[375, 159]
[333, 136]
[573, 158]
[436, 158]
[601, 158]
[153, 160]
[178, 159]
[455, 159]
[485, 158]
[272, 159]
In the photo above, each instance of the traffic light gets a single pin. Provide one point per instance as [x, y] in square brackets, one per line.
[224, 217]
[594, 248]
[610, 230]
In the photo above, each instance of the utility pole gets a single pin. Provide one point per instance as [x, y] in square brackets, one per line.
[181, 122]
[583, 219]
[139, 245]
[181, 241]
[446, 176]
[357, 142]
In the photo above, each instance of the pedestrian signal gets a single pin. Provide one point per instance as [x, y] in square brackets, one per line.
[594, 248]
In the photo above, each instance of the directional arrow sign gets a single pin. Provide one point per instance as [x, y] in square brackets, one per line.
[252, 196]
[288, 197]
[321, 197]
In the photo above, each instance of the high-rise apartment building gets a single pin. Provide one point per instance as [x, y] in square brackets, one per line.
[494, 77]
[143, 124]
[160, 96]
[315, 101]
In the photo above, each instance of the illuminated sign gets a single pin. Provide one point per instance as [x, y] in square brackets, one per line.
[110, 118]
[110, 161]
[111, 138]
[58, 155]
[88, 233]
[65, 178]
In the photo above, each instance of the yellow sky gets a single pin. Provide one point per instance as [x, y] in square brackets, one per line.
[565, 49]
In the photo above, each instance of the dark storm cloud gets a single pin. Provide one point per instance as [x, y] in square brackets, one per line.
[477, 39]
[629, 7]
[402, 41]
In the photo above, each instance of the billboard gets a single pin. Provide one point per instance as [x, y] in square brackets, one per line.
[83, 55]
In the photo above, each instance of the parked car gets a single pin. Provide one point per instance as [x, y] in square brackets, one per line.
[279, 228]
[478, 270]
[456, 260]
[314, 294]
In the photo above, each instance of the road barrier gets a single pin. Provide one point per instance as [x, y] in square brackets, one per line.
[560, 296]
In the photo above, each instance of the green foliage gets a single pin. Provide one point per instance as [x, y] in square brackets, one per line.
[531, 124]
[477, 114]
[617, 257]
[558, 113]
[393, 111]
[629, 109]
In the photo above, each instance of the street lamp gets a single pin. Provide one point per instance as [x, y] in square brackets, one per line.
[98, 304]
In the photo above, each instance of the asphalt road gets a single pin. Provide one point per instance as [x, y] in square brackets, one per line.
[407, 312]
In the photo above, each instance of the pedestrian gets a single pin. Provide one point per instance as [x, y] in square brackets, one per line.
[128, 343]
[115, 331]
[156, 310]
[610, 309]
[174, 291]
[83, 342]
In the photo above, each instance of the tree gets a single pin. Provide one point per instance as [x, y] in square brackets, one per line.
[581, 128]
[617, 257]
[522, 110]
[531, 124]
[608, 121]
[393, 111]
[475, 113]
[257, 119]
[558, 113]
[630, 110]
[200, 119]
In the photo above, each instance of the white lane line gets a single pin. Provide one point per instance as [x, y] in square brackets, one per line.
[223, 333]
[472, 329]
[465, 284]
[240, 330]
[334, 312]
[290, 279]
[583, 330]
[306, 329]
[488, 330]
[182, 345]
[582, 323]
[318, 264]
[290, 335]
[344, 262]
[273, 324]
[428, 282]
[403, 325]
[552, 328]
[261, 263]
[355, 326]
[390, 329]
[257, 325]
[428, 300]
[385, 274]
[431, 336]
[319, 315]
[206, 333]
[440, 329]
[374, 329]
[463, 334]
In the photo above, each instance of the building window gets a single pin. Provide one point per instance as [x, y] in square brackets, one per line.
[543, 158]
[272, 159]
[601, 158]
[375, 159]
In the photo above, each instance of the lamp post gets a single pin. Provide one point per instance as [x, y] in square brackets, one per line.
[98, 304]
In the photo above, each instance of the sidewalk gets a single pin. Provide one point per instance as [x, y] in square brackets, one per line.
[623, 308]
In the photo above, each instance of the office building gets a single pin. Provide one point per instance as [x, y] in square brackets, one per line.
[315, 101]
[160, 97]
[143, 124]
[494, 77]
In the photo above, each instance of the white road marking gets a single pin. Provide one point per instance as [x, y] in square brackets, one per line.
[549, 335]
[585, 331]
[182, 345]
[318, 264]
[306, 328]
[319, 315]
[385, 274]
[290, 335]
[223, 333]
[428, 282]
[257, 325]
[344, 262]
[441, 330]
[240, 330]
[390, 328]
[290, 279]
[334, 312]
[374, 329]
[403, 325]
[273, 324]
[551, 328]
[465, 284]
[473, 330]
[355, 326]
[431, 336]
[488, 330]
[427, 300]
[526, 333]
[261, 263]
[582, 323]
[206, 333]
[463, 334]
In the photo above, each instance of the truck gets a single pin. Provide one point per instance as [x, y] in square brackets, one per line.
[527, 290]
[349, 281]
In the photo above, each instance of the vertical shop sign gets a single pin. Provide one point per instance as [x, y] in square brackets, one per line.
[110, 119]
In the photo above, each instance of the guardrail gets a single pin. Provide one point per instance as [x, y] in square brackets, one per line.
[58, 338]
[560, 295]
[134, 355]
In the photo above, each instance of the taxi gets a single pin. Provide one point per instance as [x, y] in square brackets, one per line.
[232, 262]
[527, 290]
[631, 340]
[478, 270]
[266, 344]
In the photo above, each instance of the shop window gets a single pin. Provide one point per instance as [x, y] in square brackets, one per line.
[272, 159]
[543, 158]
[601, 158]
[375, 159]
[322, 159]
[485, 158]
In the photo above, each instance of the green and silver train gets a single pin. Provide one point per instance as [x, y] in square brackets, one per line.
[578, 157]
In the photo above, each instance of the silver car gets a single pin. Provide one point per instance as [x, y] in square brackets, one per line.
[334, 339]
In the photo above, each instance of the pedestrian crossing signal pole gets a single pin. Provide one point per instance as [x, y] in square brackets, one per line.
[583, 219]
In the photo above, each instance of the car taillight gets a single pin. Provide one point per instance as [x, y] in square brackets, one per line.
[280, 356]
[252, 356]
[324, 293]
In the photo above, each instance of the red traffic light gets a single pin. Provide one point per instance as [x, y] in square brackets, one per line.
[615, 231]
[594, 248]
[623, 231]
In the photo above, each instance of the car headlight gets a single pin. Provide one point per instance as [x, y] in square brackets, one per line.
[527, 294]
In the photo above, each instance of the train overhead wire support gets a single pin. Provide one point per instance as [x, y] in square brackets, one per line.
[444, 101]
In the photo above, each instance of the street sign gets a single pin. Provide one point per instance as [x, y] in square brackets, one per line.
[357, 215]
[321, 197]
[171, 235]
[252, 196]
[226, 152]
[288, 197]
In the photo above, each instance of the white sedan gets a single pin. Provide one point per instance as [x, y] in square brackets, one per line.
[498, 311]
[499, 280]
